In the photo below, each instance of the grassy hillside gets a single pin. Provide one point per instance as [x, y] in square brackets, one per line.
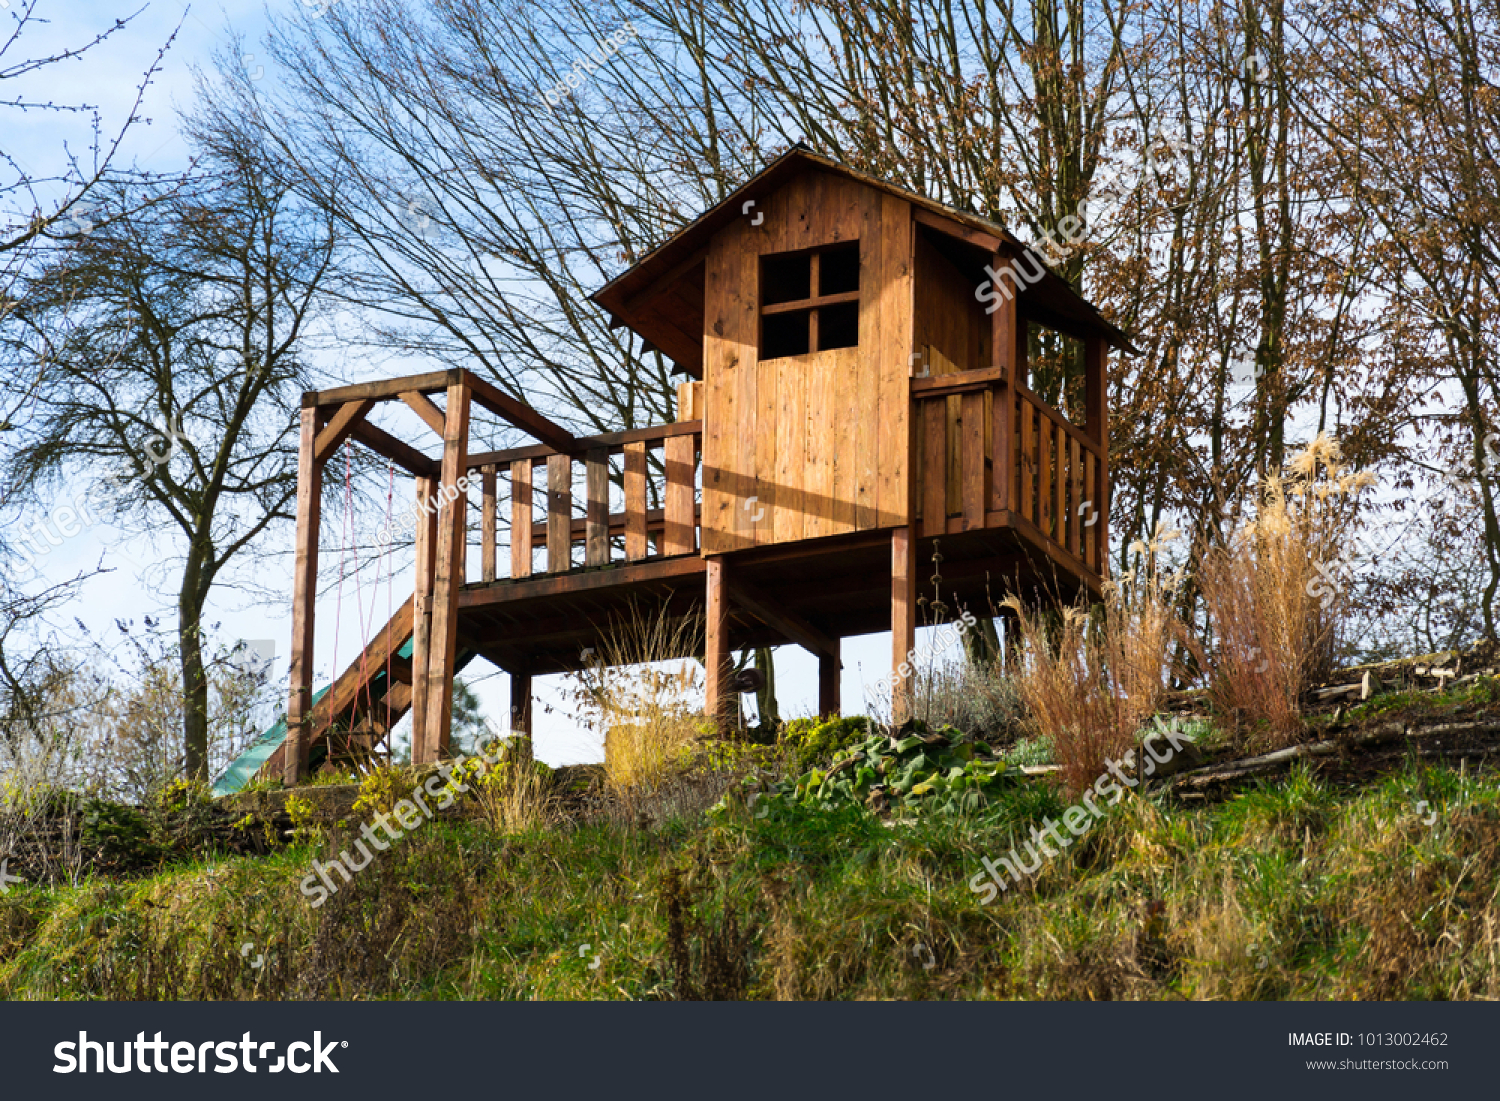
[1303, 886]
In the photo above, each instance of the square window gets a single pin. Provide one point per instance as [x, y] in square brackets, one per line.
[838, 269]
[838, 326]
[785, 334]
[785, 278]
[795, 288]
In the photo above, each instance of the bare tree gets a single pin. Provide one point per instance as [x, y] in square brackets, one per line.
[1409, 99]
[179, 332]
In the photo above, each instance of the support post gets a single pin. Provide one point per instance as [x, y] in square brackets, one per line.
[520, 711]
[421, 615]
[1096, 424]
[903, 620]
[718, 695]
[448, 576]
[829, 667]
[304, 595]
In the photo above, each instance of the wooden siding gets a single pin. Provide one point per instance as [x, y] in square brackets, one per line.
[812, 445]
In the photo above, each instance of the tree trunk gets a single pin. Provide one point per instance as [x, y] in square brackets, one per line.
[765, 698]
[190, 603]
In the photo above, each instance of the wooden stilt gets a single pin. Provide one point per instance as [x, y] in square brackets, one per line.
[828, 683]
[520, 713]
[421, 650]
[1096, 424]
[718, 695]
[903, 620]
[304, 596]
[448, 575]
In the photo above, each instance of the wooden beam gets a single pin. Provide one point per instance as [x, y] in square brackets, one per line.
[1003, 323]
[423, 407]
[448, 581]
[635, 502]
[430, 383]
[421, 648]
[960, 382]
[521, 415]
[619, 524]
[538, 453]
[337, 430]
[763, 607]
[810, 303]
[304, 599]
[829, 665]
[956, 230]
[718, 696]
[903, 619]
[596, 508]
[581, 581]
[405, 456]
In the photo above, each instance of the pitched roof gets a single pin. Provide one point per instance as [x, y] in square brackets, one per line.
[1053, 297]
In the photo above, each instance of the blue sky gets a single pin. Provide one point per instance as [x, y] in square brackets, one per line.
[139, 585]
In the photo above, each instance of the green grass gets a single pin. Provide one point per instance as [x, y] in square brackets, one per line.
[1290, 890]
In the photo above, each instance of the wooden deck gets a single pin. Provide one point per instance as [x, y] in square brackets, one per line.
[571, 543]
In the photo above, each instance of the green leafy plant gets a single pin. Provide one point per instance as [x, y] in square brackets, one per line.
[937, 771]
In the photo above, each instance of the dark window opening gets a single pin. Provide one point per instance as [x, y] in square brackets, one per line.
[785, 334]
[838, 326]
[796, 314]
[838, 269]
[785, 278]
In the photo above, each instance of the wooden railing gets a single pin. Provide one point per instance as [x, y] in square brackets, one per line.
[1056, 479]
[616, 465]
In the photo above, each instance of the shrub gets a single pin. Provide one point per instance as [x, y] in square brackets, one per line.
[644, 696]
[1088, 683]
[977, 697]
[811, 742]
[1274, 602]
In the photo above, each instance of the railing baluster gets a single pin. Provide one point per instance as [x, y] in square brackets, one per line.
[636, 544]
[681, 503]
[1028, 460]
[972, 425]
[487, 523]
[559, 513]
[596, 515]
[1090, 514]
[1044, 475]
[1075, 474]
[1059, 483]
[935, 466]
[520, 518]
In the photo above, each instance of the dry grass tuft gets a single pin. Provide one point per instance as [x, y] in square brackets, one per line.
[1275, 599]
[643, 691]
[1090, 682]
